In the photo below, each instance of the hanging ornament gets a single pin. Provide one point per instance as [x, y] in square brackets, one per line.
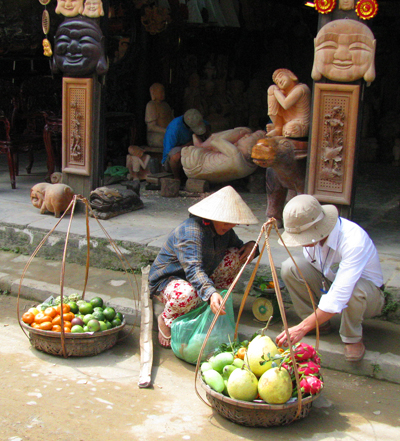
[47, 51]
[366, 9]
[44, 2]
[46, 22]
[325, 6]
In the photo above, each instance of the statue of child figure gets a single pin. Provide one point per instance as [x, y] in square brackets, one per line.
[158, 115]
[289, 106]
[137, 162]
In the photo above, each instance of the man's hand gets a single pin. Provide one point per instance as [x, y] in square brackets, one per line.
[296, 333]
[215, 303]
[245, 251]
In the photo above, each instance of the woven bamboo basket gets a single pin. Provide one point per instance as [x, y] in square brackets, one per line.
[255, 414]
[76, 345]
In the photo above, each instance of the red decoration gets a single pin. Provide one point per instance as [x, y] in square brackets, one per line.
[325, 6]
[366, 9]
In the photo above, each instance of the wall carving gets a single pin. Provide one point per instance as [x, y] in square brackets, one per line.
[333, 142]
[77, 125]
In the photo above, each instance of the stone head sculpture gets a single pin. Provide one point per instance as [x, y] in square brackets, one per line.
[157, 92]
[344, 52]
[79, 48]
[69, 8]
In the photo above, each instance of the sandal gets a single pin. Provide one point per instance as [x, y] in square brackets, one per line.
[168, 345]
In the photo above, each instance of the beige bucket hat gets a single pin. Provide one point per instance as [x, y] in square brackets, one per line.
[306, 221]
[194, 119]
[225, 205]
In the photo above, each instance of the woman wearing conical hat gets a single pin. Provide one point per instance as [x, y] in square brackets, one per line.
[201, 255]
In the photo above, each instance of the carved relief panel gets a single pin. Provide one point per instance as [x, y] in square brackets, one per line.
[77, 125]
[333, 142]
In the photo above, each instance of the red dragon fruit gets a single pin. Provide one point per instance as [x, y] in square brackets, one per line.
[316, 359]
[311, 385]
[308, 368]
[304, 352]
[288, 366]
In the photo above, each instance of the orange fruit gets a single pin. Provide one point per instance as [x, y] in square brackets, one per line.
[35, 325]
[67, 324]
[46, 326]
[56, 328]
[28, 318]
[66, 329]
[34, 311]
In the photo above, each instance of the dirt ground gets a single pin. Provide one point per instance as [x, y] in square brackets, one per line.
[98, 398]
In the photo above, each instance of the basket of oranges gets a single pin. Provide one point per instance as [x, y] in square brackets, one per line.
[72, 329]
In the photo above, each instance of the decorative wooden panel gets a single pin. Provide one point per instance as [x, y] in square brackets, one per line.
[77, 125]
[333, 142]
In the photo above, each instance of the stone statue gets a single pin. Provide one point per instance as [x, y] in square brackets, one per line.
[93, 8]
[69, 8]
[137, 162]
[223, 157]
[288, 106]
[110, 202]
[54, 198]
[158, 115]
[79, 48]
[285, 161]
[344, 51]
[346, 5]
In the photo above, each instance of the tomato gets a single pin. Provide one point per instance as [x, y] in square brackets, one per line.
[46, 326]
[67, 324]
[56, 328]
[66, 329]
[65, 307]
[51, 311]
[57, 320]
[68, 316]
[34, 311]
[241, 353]
[35, 325]
[28, 318]
[41, 317]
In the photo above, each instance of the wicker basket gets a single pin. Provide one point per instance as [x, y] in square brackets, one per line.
[254, 414]
[76, 345]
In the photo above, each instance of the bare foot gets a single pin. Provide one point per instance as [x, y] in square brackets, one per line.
[164, 334]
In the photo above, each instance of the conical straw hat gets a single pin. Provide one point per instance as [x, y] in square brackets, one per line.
[225, 205]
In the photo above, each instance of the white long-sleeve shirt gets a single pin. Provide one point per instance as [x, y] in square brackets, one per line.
[346, 256]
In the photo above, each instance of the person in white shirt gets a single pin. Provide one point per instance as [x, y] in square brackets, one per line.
[341, 267]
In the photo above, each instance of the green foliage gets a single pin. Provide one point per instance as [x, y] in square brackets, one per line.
[391, 304]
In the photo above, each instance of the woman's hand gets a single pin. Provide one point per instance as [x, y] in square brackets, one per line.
[215, 303]
[246, 250]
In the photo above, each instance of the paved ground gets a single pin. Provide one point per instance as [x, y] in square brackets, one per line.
[139, 235]
[95, 398]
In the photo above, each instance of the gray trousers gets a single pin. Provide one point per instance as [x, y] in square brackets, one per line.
[366, 301]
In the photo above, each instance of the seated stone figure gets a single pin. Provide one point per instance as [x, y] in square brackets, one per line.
[223, 157]
[158, 115]
[288, 106]
[137, 162]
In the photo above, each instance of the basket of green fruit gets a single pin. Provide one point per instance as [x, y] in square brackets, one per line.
[256, 385]
[73, 328]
